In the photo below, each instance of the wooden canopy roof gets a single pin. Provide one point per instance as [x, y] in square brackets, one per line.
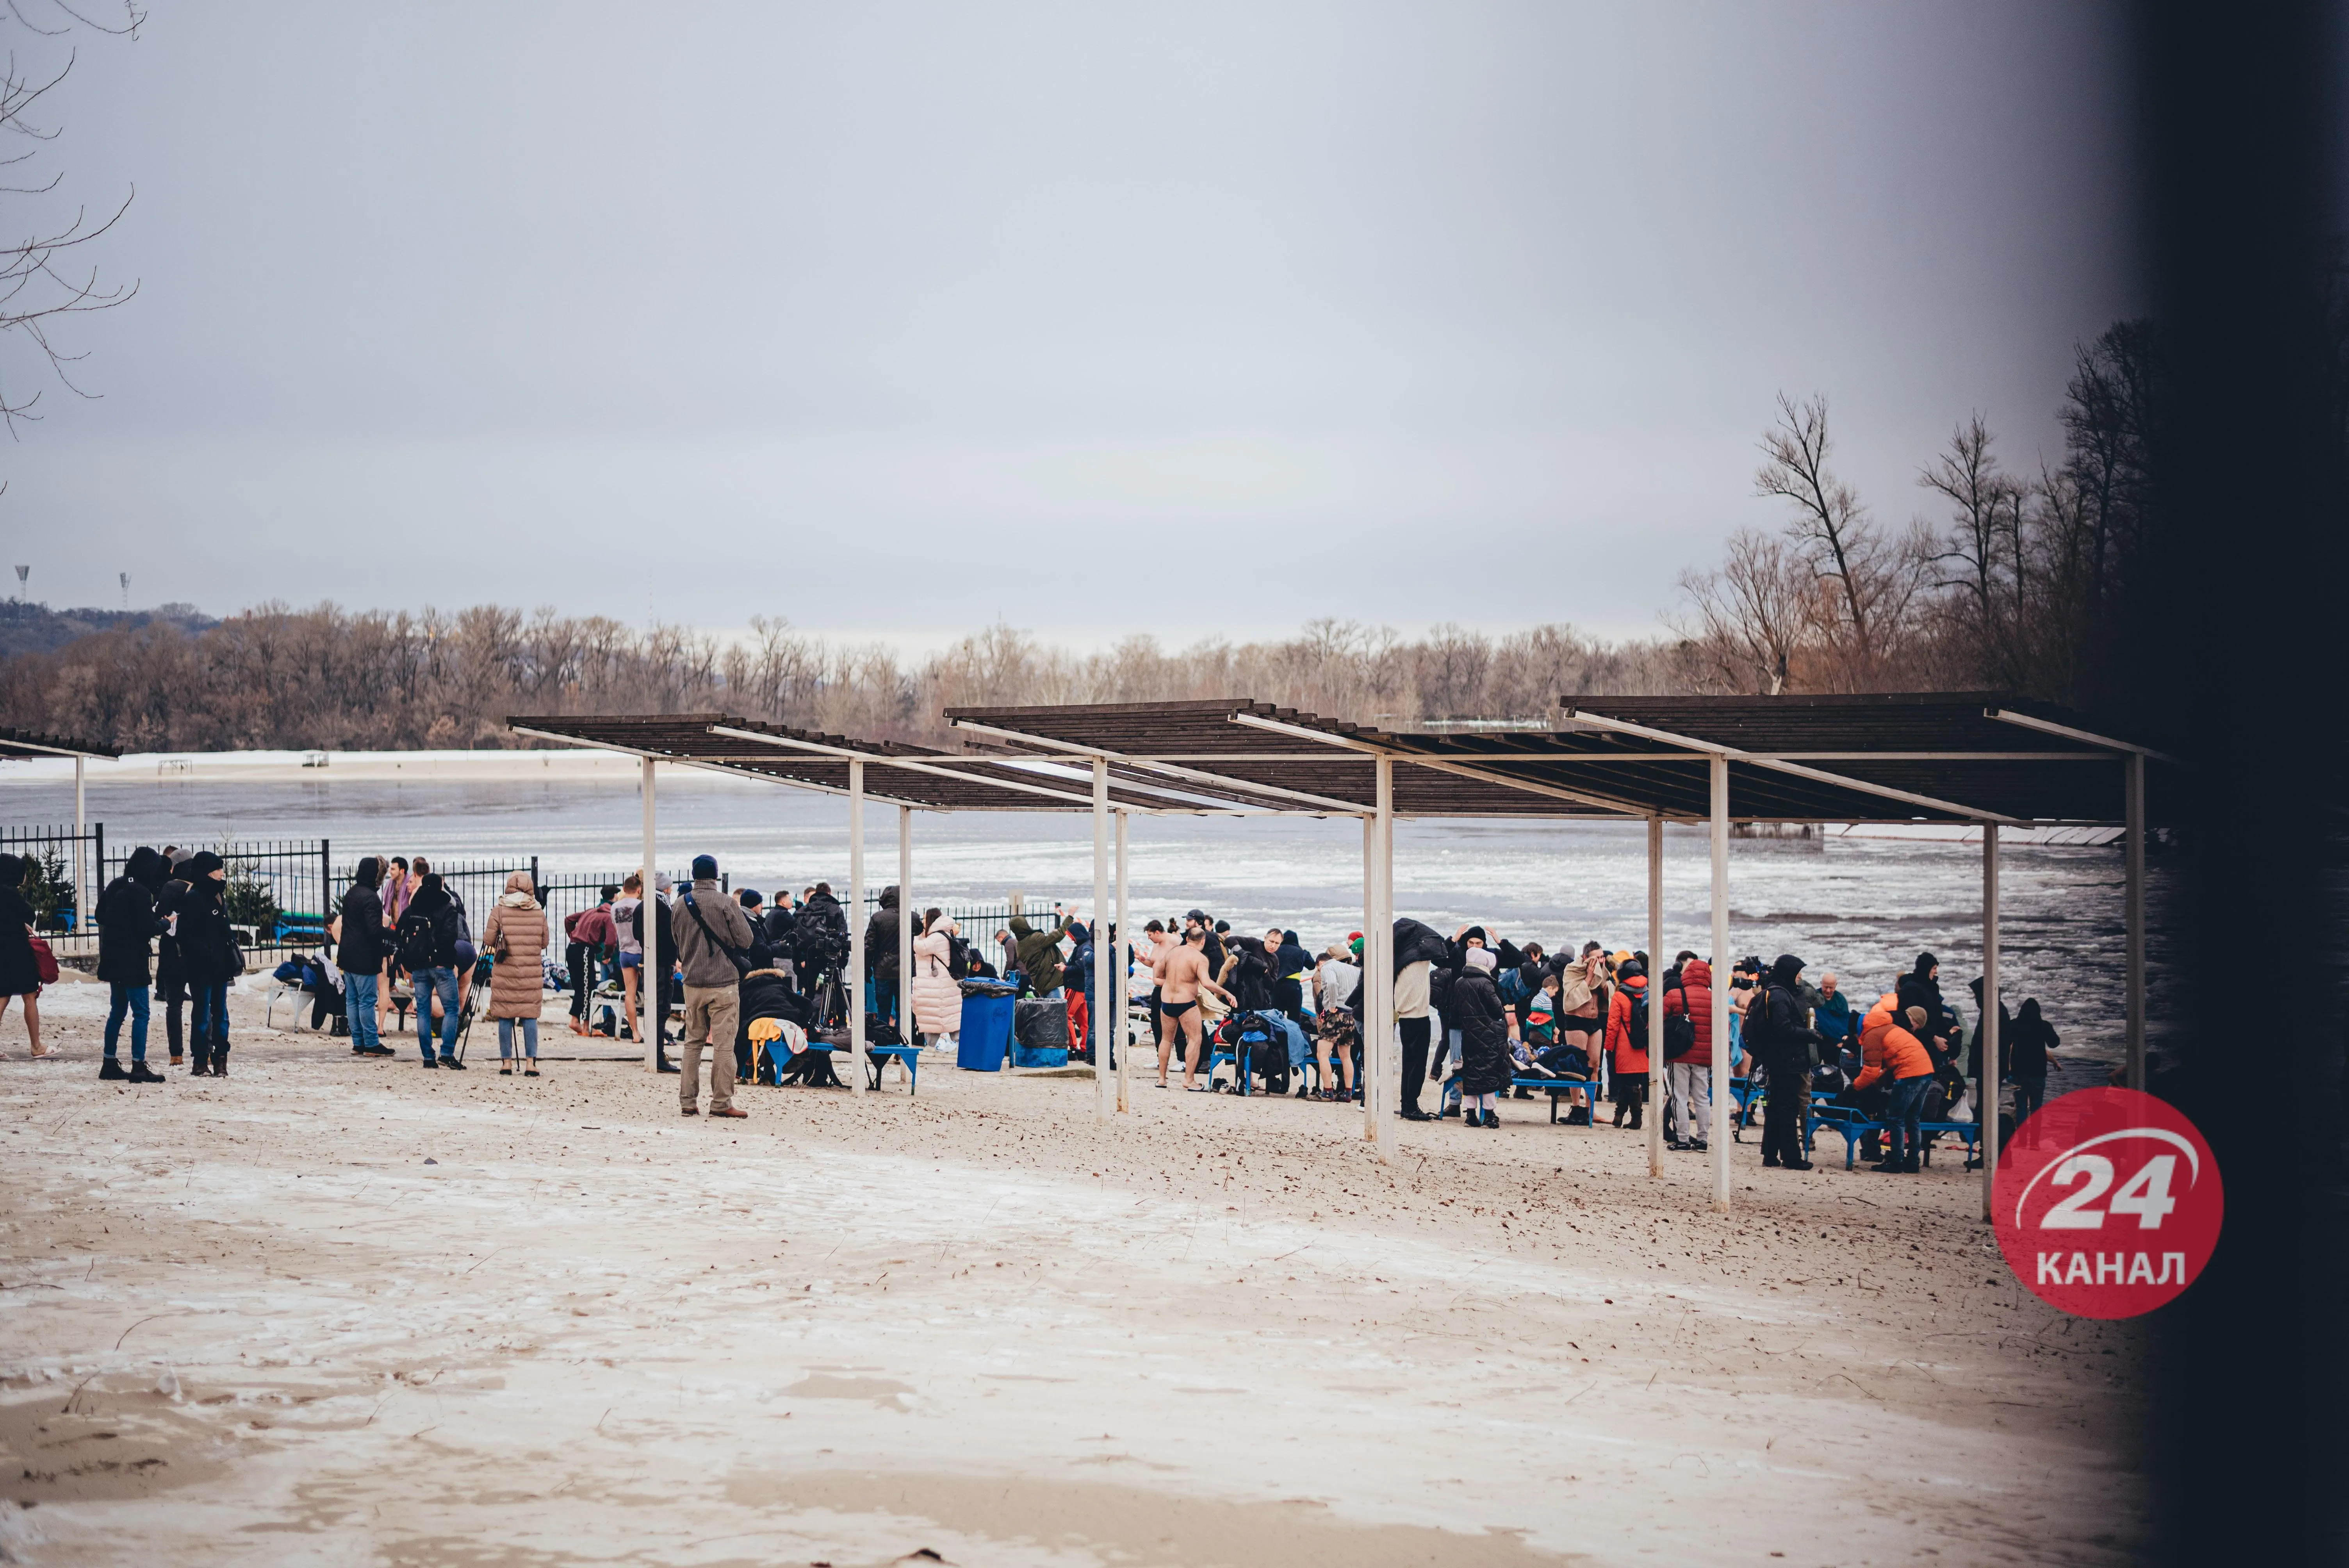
[897, 773]
[31, 743]
[1905, 757]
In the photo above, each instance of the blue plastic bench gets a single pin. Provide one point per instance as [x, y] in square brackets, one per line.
[876, 1058]
[1846, 1122]
[1556, 1086]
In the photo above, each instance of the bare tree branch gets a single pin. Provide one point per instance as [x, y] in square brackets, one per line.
[36, 290]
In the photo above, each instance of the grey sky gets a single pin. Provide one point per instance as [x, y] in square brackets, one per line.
[1405, 313]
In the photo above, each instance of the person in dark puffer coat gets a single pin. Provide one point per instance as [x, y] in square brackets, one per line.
[170, 974]
[1475, 1006]
[211, 956]
[127, 923]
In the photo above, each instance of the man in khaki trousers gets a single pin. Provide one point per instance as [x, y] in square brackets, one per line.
[712, 933]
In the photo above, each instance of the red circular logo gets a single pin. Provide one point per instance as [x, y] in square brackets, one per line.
[2108, 1203]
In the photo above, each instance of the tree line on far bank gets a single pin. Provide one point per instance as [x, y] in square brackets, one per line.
[2030, 582]
[274, 677]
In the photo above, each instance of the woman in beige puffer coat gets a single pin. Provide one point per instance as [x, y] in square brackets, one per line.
[937, 994]
[516, 936]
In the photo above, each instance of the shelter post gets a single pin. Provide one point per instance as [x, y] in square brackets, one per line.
[2135, 834]
[648, 963]
[1655, 1042]
[83, 870]
[1121, 948]
[905, 1030]
[1986, 1032]
[1367, 1077]
[855, 978]
[1104, 1092]
[1387, 1077]
[1720, 1134]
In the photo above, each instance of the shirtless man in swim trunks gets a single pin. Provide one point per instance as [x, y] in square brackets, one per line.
[1181, 972]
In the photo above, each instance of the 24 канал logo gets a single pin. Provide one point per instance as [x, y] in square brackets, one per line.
[2107, 1203]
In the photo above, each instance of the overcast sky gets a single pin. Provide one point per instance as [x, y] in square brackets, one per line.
[896, 319]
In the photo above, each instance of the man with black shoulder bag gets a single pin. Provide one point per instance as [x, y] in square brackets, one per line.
[713, 941]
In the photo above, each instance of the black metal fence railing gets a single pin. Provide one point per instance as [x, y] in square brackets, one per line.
[282, 892]
[278, 891]
[982, 920]
[54, 860]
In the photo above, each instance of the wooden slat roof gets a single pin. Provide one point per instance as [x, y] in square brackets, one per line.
[1868, 758]
[31, 743]
[983, 784]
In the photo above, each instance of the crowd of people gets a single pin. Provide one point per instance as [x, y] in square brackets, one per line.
[1485, 1018]
[1479, 1016]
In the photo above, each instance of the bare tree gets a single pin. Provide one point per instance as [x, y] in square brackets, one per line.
[1829, 522]
[1981, 557]
[43, 276]
[1873, 579]
[1755, 619]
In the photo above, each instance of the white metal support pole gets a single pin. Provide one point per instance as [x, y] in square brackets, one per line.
[906, 926]
[1986, 1107]
[648, 1023]
[856, 975]
[2135, 834]
[1103, 1020]
[1124, 966]
[1655, 998]
[83, 869]
[1720, 984]
[1388, 1078]
[1367, 1078]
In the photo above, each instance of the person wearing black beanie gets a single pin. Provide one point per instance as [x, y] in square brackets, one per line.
[209, 955]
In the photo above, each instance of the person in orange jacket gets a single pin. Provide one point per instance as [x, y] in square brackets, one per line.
[1909, 1065]
[1872, 1030]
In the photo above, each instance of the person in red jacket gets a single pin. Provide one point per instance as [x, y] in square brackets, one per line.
[1690, 1076]
[1626, 1045]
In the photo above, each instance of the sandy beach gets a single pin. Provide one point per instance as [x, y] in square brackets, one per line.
[341, 1311]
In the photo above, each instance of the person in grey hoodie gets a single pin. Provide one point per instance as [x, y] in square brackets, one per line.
[713, 941]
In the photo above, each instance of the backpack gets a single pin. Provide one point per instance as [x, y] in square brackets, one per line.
[1679, 1032]
[416, 943]
[820, 939]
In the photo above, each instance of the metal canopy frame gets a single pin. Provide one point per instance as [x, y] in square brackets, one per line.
[923, 780]
[1975, 758]
[30, 745]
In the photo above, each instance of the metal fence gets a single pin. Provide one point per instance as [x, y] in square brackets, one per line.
[981, 922]
[57, 859]
[282, 892]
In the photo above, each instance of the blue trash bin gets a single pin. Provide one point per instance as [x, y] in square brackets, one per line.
[986, 1037]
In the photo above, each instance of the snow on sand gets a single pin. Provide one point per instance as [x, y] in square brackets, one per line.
[428, 1318]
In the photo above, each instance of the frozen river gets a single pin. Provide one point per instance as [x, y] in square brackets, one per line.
[1863, 907]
